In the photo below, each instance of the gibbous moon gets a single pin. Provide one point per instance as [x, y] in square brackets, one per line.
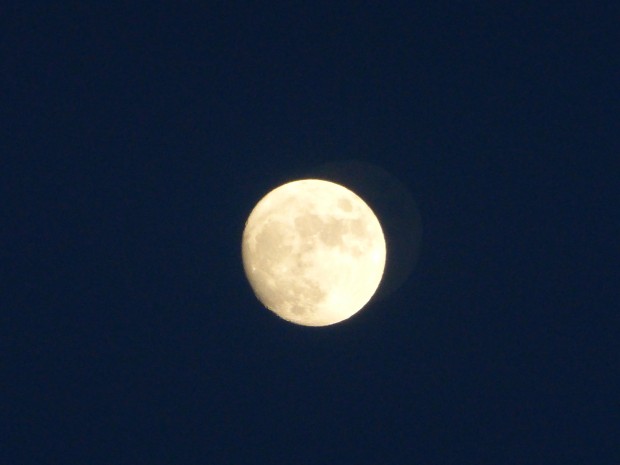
[313, 252]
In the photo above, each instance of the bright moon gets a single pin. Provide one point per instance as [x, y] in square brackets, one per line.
[313, 252]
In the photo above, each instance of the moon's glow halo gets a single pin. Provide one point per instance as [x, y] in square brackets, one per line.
[313, 252]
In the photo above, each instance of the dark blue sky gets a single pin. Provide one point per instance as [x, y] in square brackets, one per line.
[137, 138]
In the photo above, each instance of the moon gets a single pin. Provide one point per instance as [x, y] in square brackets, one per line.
[313, 252]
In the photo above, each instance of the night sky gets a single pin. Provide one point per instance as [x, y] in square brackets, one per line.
[135, 139]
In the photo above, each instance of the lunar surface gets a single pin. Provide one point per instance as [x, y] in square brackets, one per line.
[313, 252]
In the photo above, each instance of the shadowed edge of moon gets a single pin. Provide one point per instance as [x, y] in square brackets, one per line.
[394, 206]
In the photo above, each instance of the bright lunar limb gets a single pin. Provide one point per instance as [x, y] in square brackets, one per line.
[313, 252]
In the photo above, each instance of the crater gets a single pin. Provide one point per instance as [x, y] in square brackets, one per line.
[358, 227]
[308, 225]
[345, 204]
[273, 243]
[332, 233]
